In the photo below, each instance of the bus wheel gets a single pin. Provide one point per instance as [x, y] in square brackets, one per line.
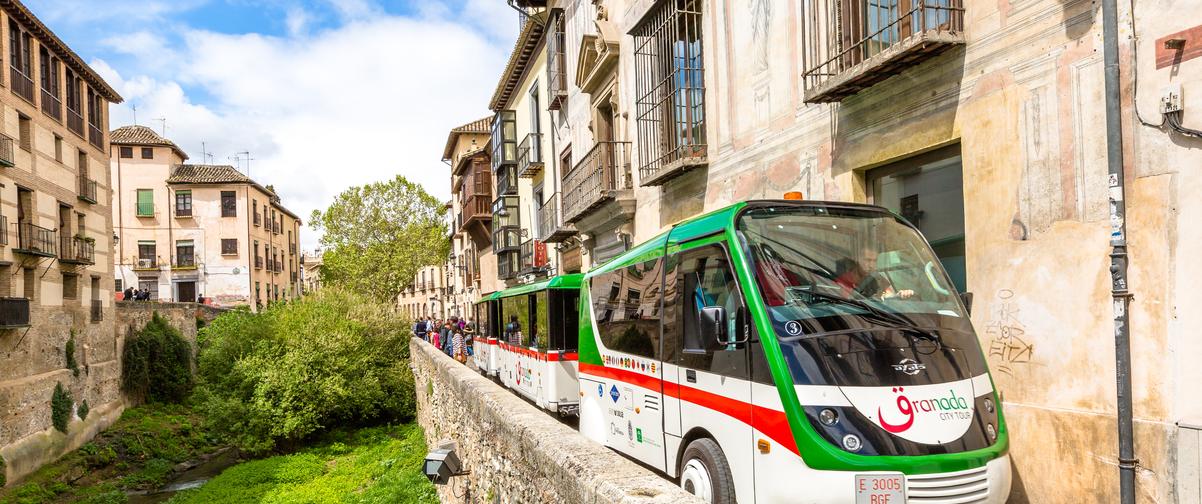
[704, 472]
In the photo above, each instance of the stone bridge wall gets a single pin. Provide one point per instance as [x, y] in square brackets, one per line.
[516, 452]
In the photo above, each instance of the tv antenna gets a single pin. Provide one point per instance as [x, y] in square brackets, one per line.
[163, 121]
[134, 107]
[248, 160]
[205, 156]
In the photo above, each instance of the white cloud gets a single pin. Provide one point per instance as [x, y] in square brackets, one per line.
[321, 112]
[297, 20]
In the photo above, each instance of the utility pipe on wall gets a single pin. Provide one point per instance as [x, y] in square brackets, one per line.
[1118, 256]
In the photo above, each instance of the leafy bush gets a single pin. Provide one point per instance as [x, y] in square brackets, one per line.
[72, 364]
[158, 363]
[60, 408]
[330, 359]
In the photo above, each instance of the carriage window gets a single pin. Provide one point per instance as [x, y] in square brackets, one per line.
[707, 280]
[626, 305]
[538, 329]
[564, 320]
[515, 312]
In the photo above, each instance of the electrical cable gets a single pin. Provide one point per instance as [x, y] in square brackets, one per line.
[1170, 119]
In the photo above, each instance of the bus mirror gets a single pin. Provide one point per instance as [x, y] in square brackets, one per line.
[713, 324]
[966, 297]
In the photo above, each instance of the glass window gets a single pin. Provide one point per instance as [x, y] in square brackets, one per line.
[183, 203]
[229, 246]
[147, 153]
[515, 311]
[541, 327]
[626, 306]
[185, 253]
[145, 203]
[146, 250]
[126, 152]
[229, 204]
[707, 280]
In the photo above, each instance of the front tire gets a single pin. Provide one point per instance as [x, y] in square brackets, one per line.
[704, 472]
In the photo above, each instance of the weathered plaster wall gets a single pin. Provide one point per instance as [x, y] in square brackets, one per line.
[517, 453]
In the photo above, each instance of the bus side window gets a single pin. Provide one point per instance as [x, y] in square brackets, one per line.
[671, 310]
[565, 320]
[706, 279]
[626, 304]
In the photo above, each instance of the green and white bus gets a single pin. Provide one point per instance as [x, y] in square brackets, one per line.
[789, 351]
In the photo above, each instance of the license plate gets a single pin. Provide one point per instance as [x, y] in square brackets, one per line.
[880, 489]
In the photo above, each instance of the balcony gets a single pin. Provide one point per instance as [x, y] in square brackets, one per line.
[77, 250]
[6, 152]
[476, 208]
[258, 262]
[530, 156]
[533, 257]
[596, 179]
[14, 312]
[550, 222]
[51, 105]
[22, 84]
[184, 262]
[95, 136]
[258, 219]
[507, 265]
[851, 46]
[504, 139]
[74, 121]
[97, 311]
[183, 213]
[87, 190]
[292, 248]
[557, 67]
[146, 264]
[276, 227]
[35, 240]
[3, 230]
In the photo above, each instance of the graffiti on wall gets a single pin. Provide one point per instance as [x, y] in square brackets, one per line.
[1009, 348]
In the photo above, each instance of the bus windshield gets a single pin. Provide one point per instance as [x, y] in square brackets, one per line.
[812, 262]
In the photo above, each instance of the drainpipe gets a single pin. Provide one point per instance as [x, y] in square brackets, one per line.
[1118, 255]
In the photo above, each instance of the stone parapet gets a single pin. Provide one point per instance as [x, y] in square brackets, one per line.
[516, 452]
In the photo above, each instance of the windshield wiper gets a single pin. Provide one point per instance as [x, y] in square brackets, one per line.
[899, 322]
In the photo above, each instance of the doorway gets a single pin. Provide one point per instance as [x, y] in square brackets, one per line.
[185, 292]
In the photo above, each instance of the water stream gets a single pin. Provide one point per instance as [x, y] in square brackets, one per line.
[191, 478]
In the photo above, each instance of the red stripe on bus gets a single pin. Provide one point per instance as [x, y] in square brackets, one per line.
[549, 356]
[772, 423]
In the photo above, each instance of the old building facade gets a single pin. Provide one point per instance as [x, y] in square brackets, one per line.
[187, 231]
[980, 122]
[55, 243]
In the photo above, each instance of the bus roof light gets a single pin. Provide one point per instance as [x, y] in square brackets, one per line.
[794, 196]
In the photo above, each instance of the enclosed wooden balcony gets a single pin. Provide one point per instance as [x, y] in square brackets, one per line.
[852, 45]
[596, 179]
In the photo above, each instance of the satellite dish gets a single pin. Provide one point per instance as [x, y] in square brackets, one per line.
[237, 270]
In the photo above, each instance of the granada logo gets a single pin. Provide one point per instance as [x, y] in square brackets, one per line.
[942, 408]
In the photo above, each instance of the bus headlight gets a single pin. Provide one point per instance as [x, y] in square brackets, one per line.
[828, 417]
[852, 443]
[991, 431]
[989, 405]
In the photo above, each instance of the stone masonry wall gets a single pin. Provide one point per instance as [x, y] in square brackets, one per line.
[516, 452]
[27, 439]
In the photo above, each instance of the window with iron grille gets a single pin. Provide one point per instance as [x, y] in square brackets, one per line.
[147, 153]
[229, 246]
[183, 203]
[669, 90]
[229, 204]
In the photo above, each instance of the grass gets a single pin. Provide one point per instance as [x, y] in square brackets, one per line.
[136, 452]
[375, 464]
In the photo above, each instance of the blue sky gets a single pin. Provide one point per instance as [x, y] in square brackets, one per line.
[324, 94]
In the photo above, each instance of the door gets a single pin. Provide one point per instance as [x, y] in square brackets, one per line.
[712, 374]
[187, 292]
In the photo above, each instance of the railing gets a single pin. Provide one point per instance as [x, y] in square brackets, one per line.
[183, 212]
[97, 311]
[6, 151]
[507, 265]
[258, 219]
[22, 84]
[258, 262]
[550, 222]
[35, 240]
[14, 312]
[276, 227]
[95, 136]
[87, 189]
[77, 250]
[853, 45]
[3, 230]
[146, 263]
[75, 121]
[557, 68]
[185, 261]
[476, 206]
[51, 105]
[292, 248]
[530, 155]
[606, 168]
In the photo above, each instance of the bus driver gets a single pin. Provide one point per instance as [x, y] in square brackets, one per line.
[861, 275]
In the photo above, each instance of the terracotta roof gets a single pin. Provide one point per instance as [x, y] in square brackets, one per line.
[207, 174]
[141, 135]
[27, 20]
[523, 52]
[483, 125]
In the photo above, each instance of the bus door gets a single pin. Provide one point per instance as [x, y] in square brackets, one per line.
[711, 334]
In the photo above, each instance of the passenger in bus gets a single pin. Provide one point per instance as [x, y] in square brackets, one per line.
[861, 275]
[513, 331]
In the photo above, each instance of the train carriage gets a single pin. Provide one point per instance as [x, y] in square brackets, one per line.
[537, 331]
[788, 351]
[484, 346]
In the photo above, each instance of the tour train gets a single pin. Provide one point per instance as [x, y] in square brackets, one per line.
[769, 352]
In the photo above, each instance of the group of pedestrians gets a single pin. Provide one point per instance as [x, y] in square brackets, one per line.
[454, 336]
[132, 294]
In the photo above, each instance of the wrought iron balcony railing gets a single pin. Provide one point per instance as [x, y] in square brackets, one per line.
[3, 230]
[77, 250]
[605, 169]
[551, 225]
[146, 264]
[6, 151]
[258, 219]
[35, 240]
[95, 136]
[258, 262]
[853, 45]
[87, 189]
[75, 121]
[14, 312]
[51, 105]
[184, 262]
[530, 155]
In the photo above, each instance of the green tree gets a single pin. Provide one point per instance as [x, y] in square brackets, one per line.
[378, 235]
